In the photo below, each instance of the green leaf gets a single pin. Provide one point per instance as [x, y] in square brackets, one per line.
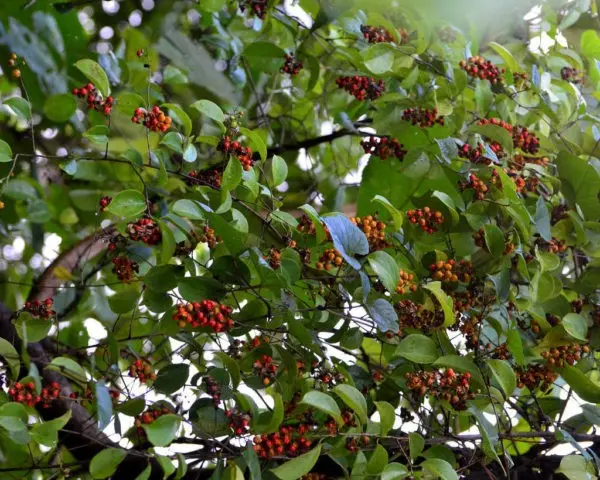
[256, 142]
[179, 116]
[20, 106]
[542, 219]
[232, 176]
[325, 403]
[10, 355]
[383, 314]
[515, 346]
[210, 109]
[5, 152]
[440, 468]
[494, 239]
[46, 433]
[173, 141]
[299, 466]
[545, 286]
[379, 58]
[274, 419]
[576, 467]
[145, 475]
[504, 375]
[68, 368]
[127, 102]
[387, 416]
[252, 461]
[162, 431]
[495, 133]
[379, 459]
[416, 444]
[445, 302]
[60, 108]
[316, 219]
[94, 74]
[418, 348]
[32, 329]
[195, 289]
[123, 302]
[171, 378]
[386, 268]
[590, 44]
[105, 463]
[98, 134]
[264, 56]
[127, 203]
[394, 471]
[104, 403]
[188, 209]
[397, 216]
[509, 60]
[348, 239]
[580, 183]
[575, 325]
[279, 170]
[581, 384]
[354, 399]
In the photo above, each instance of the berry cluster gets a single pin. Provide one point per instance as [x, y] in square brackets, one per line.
[412, 315]
[208, 236]
[142, 370]
[326, 377]
[476, 184]
[427, 219]
[206, 313]
[238, 422]
[125, 269]
[406, 283]
[520, 77]
[500, 352]
[553, 246]
[558, 213]
[88, 395]
[449, 271]
[306, 225]
[12, 63]
[465, 301]
[449, 386]
[577, 305]
[213, 388]
[525, 140]
[104, 202]
[376, 34]
[147, 417]
[210, 178]
[144, 230]
[154, 120]
[94, 98]
[374, 230]
[235, 348]
[383, 147]
[479, 238]
[273, 258]
[564, 354]
[265, 368]
[244, 154]
[257, 7]
[39, 309]
[517, 163]
[404, 35]
[354, 444]
[478, 67]
[361, 87]
[571, 75]
[291, 66]
[470, 327]
[329, 258]
[258, 341]
[289, 441]
[476, 154]
[422, 117]
[535, 376]
[25, 393]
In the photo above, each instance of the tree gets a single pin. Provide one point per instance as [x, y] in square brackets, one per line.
[333, 239]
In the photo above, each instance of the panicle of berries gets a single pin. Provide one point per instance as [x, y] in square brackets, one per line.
[288, 441]
[479, 67]
[94, 98]
[517, 163]
[330, 258]
[426, 218]
[559, 212]
[376, 34]
[265, 368]
[406, 283]
[274, 258]
[374, 230]
[535, 376]
[564, 354]
[553, 246]
[479, 187]
[292, 66]
[125, 269]
[144, 230]
[412, 315]
[314, 476]
[235, 348]
[149, 416]
[257, 7]
[142, 370]
[213, 388]
[469, 326]
[476, 154]
[206, 313]
[13, 61]
[383, 147]
[104, 202]
[448, 385]
[595, 314]
[244, 154]
[25, 393]
[479, 238]
[362, 87]
[238, 422]
[500, 352]
[39, 309]
[404, 35]
[525, 140]
[306, 225]
[572, 75]
[258, 341]
[378, 376]
[520, 77]
[422, 117]
[577, 305]
[210, 178]
[208, 236]
[155, 120]
[451, 272]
